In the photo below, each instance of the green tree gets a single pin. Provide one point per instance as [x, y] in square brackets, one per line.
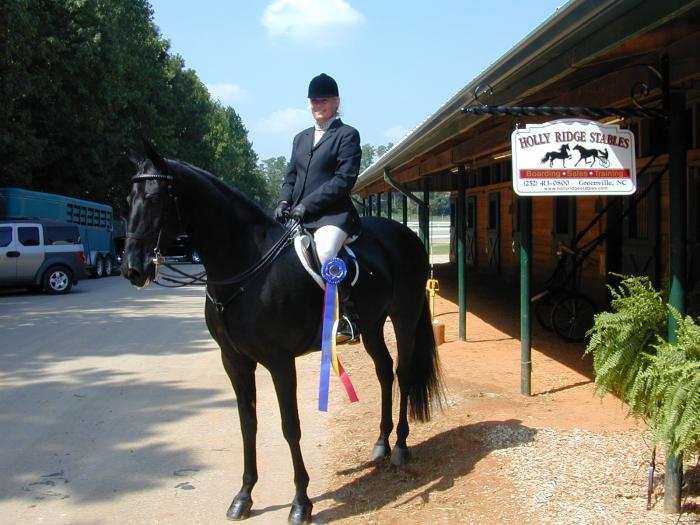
[82, 80]
[368, 154]
[273, 171]
[381, 150]
[234, 160]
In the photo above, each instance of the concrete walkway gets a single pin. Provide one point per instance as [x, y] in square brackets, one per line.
[115, 409]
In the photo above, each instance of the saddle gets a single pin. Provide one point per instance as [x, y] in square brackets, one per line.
[305, 248]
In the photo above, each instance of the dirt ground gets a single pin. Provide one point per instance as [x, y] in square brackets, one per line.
[562, 455]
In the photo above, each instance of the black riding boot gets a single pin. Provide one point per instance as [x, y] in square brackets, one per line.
[347, 326]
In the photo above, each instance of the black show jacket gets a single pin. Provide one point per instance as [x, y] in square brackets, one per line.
[321, 177]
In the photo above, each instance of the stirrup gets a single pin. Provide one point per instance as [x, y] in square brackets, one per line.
[347, 332]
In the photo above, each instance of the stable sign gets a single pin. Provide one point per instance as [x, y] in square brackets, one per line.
[573, 157]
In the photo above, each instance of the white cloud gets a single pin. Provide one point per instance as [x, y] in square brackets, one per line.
[289, 121]
[317, 21]
[396, 133]
[227, 94]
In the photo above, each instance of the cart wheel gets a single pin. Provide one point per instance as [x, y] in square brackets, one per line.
[545, 306]
[572, 317]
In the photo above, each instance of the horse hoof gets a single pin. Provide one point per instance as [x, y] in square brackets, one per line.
[239, 509]
[300, 513]
[400, 456]
[381, 450]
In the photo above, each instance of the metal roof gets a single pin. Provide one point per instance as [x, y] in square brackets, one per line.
[572, 38]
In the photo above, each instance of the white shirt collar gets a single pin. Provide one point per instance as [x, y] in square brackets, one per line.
[325, 125]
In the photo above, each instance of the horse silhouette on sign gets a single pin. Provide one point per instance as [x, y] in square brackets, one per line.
[562, 154]
[593, 154]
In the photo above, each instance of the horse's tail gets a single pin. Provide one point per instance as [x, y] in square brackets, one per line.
[427, 388]
[545, 158]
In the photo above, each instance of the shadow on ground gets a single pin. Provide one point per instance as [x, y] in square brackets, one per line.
[498, 304]
[435, 465]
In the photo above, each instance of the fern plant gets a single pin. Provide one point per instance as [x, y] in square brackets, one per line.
[673, 383]
[622, 340]
[659, 380]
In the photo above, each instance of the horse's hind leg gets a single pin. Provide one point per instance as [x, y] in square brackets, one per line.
[241, 372]
[284, 377]
[416, 371]
[373, 340]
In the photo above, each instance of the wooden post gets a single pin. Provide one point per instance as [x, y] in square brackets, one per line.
[461, 233]
[404, 210]
[424, 216]
[525, 211]
[677, 210]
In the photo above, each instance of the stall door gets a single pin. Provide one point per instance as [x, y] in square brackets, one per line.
[563, 223]
[493, 233]
[471, 231]
[640, 231]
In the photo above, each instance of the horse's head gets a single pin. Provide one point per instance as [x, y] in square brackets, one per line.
[153, 219]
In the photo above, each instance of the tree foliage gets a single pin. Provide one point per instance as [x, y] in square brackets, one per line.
[83, 80]
[273, 171]
[371, 153]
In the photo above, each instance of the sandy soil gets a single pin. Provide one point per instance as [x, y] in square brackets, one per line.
[492, 455]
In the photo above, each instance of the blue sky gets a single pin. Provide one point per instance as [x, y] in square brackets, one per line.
[396, 62]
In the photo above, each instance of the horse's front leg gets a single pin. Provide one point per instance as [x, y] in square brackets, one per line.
[284, 377]
[241, 372]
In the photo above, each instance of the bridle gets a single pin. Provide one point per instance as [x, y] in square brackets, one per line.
[183, 278]
[158, 258]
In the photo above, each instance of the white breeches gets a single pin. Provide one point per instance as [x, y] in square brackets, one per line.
[329, 240]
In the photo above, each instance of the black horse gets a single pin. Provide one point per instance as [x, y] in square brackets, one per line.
[593, 154]
[562, 154]
[271, 312]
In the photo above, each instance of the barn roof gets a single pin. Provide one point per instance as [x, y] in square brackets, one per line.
[582, 41]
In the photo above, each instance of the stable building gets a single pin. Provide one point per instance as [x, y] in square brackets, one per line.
[637, 56]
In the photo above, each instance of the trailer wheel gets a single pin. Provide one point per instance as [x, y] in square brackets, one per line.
[99, 269]
[57, 280]
[108, 266]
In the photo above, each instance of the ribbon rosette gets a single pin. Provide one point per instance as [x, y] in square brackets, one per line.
[333, 272]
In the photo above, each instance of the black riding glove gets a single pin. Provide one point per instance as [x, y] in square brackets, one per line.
[298, 212]
[281, 213]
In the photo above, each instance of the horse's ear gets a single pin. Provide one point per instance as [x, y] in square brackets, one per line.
[155, 157]
[134, 156]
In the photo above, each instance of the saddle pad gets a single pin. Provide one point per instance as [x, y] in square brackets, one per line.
[302, 246]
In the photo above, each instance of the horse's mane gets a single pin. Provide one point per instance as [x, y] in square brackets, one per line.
[233, 198]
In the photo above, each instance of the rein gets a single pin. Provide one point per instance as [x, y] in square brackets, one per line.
[185, 279]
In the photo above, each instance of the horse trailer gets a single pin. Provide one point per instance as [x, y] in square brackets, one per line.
[94, 220]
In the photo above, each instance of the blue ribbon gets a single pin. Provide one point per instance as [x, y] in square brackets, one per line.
[333, 272]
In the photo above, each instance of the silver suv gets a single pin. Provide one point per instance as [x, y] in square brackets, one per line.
[40, 254]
